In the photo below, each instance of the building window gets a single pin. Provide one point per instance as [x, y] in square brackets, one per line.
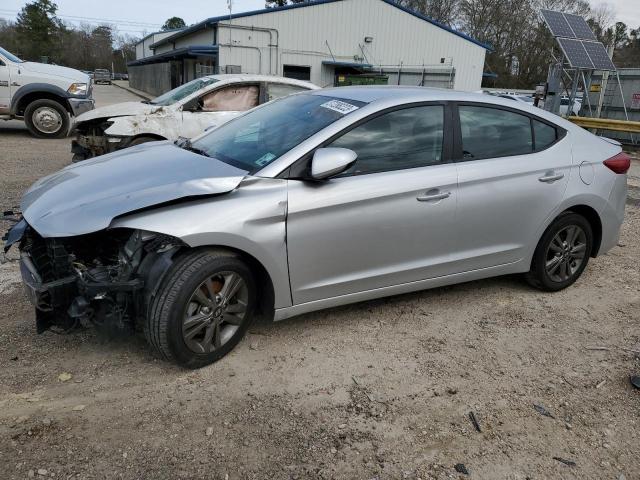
[297, 72]
[233, 69]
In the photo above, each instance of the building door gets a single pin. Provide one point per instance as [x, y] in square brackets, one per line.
[176, 74]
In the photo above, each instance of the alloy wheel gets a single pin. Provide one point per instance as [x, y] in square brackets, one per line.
[566, 253]
[215, 311]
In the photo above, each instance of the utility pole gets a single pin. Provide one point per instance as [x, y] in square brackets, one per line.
[230, 7]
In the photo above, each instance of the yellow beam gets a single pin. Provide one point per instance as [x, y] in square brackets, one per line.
[607, 124]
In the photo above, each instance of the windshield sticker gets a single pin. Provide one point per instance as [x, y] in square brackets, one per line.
[340, 107]
[266, 158]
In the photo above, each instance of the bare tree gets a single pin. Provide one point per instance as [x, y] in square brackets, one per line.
[442, 11]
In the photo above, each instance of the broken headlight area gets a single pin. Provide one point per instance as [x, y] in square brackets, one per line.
[103, 278]
[91, 139]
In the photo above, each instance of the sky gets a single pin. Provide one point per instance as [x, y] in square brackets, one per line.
[137, 17]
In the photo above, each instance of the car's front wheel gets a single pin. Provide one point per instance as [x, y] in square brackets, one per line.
[562, 253]
[202, 309]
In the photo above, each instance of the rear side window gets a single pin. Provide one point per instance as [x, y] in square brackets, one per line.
[491, 132]
[544, 135]
[407, 138]
[278, 90]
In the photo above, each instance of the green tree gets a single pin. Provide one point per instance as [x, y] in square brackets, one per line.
[38, 29]
[173, 23]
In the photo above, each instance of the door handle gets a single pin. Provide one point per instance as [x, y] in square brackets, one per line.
[433, 197]
[551, 177]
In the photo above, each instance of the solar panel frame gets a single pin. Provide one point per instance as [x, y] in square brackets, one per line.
[580, 27]
[575, 53]
[598, 56]
[557, 23]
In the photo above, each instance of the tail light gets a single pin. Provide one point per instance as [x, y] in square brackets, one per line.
[619, 163]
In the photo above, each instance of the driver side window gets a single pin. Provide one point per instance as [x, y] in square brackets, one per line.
[407, 138]
[235, 98]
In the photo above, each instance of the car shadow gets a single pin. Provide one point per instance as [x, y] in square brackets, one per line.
[14, 131]
[510, 283]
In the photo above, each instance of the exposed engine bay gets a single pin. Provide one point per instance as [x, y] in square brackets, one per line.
[98, 278]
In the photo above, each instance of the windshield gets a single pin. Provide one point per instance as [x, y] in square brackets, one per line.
[256, 139]
[183, 91]
[10, 56]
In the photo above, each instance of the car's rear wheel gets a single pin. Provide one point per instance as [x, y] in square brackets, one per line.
[562, 253]
[203, 308]
[46, 119]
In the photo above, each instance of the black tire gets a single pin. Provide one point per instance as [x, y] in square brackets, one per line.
[33, 110]
[163, 327]
[539, 276]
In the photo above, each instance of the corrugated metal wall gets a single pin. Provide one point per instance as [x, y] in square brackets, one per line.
[154, 78]
[143, 49]
[307, 36]
[612, 101]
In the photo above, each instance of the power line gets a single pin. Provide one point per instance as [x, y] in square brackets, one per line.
[93, 20]
[115, 27]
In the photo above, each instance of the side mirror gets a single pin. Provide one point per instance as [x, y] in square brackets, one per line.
[327, 162]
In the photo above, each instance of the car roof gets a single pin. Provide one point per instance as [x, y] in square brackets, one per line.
[402, 94]
[389, 95]
[248, 77]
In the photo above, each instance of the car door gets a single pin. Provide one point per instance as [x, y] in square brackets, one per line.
[513, 171]
[217, 107]
[387, 220]
[5, 89]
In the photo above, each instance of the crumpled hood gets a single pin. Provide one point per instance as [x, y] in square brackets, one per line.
[55, 70]
[119, 110]
[85, 197]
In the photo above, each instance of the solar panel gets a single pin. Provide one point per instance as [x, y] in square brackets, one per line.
[598, 55]
[575, 53]
[557, 23]
[580, 28]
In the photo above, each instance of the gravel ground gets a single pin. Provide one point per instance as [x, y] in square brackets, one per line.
[380, 389]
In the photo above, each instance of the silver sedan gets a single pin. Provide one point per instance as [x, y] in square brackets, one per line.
[315, 200]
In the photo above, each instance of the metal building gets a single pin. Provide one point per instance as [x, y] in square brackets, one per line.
[615, 101]
[329, 42]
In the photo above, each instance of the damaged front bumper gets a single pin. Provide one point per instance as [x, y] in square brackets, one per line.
[72, 280]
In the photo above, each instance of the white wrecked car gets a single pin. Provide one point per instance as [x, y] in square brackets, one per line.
[185, 111]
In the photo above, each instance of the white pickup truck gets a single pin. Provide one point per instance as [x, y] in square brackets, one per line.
[45, 96]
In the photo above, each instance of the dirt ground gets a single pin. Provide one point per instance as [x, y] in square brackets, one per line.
[376, 390]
